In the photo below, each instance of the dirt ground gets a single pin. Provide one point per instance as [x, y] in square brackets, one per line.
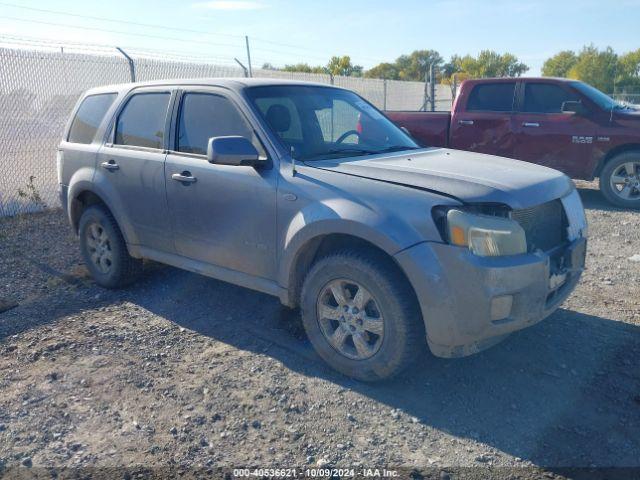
[181, 374]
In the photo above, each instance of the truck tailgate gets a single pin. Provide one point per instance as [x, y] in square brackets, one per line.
[429, 129]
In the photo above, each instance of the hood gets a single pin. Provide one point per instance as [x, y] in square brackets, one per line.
[469, 177]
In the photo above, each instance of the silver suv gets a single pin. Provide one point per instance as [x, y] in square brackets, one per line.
[309, 193]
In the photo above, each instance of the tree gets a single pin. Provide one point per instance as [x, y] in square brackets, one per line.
[560, 64]
[628, 72]
[342, 66]
[596, 67]
[407, 67]
[303, 67]
[487, 64]
[383, 70]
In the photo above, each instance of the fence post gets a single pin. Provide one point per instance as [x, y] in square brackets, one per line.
[432, 92]
[384, 93]
[246, 72]
[132, 65]
[246, 40]
[331, 78]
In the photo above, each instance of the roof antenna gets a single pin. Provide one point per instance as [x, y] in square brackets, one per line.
[293, 162]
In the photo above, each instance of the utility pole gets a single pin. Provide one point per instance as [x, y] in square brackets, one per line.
[246, 39]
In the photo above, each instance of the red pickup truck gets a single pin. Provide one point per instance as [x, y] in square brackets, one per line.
[564, 124]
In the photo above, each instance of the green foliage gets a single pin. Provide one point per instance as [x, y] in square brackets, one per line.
[303, 67]
[595, 67]
[560, 64]
[487, 64]
[628, 73]
[338, 65]
[342, 66]
[383, 70]
[603, 69]
[407, 67]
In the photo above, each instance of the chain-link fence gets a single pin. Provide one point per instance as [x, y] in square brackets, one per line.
[39, 87]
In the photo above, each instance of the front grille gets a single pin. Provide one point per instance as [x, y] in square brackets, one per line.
[544, 225]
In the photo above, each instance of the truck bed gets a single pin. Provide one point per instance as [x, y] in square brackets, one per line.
[429, 129]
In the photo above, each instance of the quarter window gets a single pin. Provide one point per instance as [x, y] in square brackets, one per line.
[545, 98]
[203, 116]
[142, 121]
[89, 116]
[492, 97]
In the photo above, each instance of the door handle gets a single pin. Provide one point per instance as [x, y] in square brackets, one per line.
[110, 165]
[184, 177]
[530, 124]
[465, 122]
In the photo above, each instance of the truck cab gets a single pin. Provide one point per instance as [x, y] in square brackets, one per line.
[559, 123]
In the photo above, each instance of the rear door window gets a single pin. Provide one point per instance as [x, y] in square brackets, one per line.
[492, 97]
[89, 116]
[142, 121]
[545, 98]
[206, 115]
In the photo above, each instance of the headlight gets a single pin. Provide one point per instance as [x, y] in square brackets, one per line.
[484, 235]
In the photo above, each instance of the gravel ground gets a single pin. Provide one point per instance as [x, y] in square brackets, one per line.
[183, 374]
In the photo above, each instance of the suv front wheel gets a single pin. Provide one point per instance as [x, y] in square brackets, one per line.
[361, 316]
[104, 249]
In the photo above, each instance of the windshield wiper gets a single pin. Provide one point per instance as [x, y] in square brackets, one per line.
[397, 148]
[361, 151]
[336, 151]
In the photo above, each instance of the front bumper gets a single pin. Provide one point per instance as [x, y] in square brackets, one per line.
[456, 291]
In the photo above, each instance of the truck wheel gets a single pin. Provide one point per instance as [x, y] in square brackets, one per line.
[620, 180]
[361, 315]
[104, 249]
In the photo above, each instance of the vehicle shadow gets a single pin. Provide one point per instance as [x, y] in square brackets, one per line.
[592, 199]
[565, 392]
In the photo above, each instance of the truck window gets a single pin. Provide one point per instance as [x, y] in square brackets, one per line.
[492, 97]
[91, 112]
[141, 123]
[205, 115]
[545, 98]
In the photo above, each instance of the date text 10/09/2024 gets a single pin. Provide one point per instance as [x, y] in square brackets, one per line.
[314, 473]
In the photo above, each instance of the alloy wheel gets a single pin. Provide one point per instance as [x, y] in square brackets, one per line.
[625, 181]
[99, 248]
[350, 319]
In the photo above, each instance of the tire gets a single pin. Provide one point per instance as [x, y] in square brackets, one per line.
[402, 338]
[625, 166]
[101, 238]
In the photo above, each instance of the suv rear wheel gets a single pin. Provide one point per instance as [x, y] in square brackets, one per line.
[361, 315]
[620, 180]
[104, 249]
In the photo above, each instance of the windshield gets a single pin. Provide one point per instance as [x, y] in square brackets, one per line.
[323, 122]
[602, 100]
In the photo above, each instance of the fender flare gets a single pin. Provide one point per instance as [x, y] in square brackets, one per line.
[84, 181]
[301, 234]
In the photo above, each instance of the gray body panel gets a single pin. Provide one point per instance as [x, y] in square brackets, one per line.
[251, 225]
[471, 177]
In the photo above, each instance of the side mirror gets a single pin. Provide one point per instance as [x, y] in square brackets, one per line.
[232, 150]
[574, 107]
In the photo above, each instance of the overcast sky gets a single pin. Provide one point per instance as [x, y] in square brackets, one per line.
[370, 32]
